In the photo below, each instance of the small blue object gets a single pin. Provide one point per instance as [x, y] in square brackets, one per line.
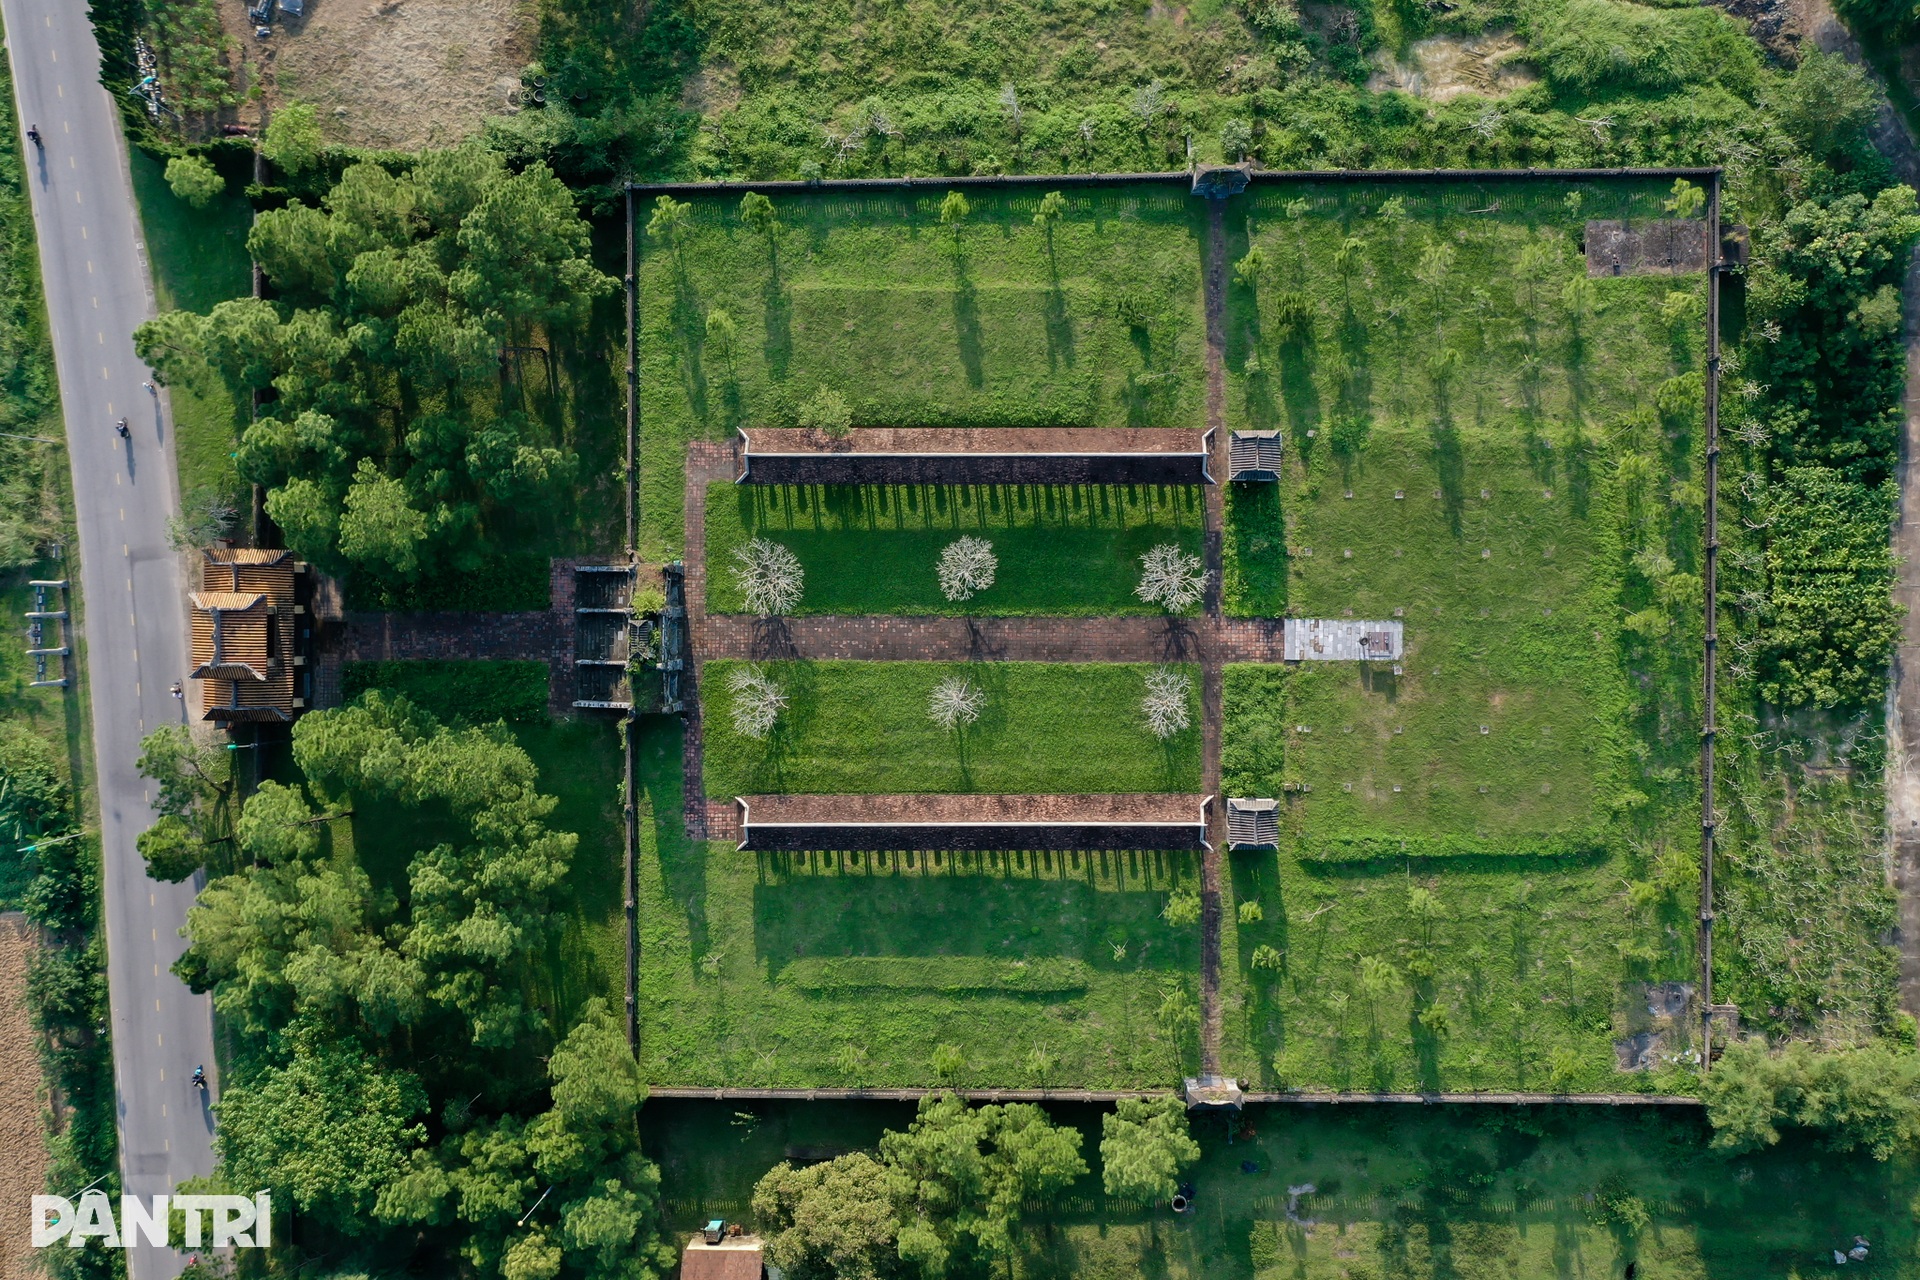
[716, 1228]
[1249, 1166]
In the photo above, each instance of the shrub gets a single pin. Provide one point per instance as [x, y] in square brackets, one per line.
[462, 690]
[194, 180]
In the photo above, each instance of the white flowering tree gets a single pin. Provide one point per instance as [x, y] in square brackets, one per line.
[1171, 578]
[967, 566]
[1168, 703]
[769, 576]
[757, 701]
[955, 703]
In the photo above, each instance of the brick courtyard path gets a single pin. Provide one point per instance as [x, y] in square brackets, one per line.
[1211, 656]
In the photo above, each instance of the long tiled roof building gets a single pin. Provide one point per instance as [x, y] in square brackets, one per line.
[244, 635]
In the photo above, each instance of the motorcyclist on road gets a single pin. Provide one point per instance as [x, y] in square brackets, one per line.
[199, 1077]
[33, 134]
[121, 429]
[177, 691]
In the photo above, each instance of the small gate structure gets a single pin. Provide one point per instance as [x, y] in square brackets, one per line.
[38, 646]
[602, 637]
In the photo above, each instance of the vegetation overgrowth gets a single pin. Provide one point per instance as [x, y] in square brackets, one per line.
[865, 549]
[394, 945]
[429, 345]
[1407, 1193]
[471, 692]
[866, 727]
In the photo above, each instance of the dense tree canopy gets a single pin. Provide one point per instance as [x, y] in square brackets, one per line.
[1143, 1147]
[298, 933]
[389, 443]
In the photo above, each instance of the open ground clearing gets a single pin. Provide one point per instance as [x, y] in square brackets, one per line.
[23, 1100]
[391, 74]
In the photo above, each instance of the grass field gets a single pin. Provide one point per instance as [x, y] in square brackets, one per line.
[199, 259]
[875, 548]
[863, 727]
[1093, 321]
[744, 960]
[1486, 851]
[1399, 1193]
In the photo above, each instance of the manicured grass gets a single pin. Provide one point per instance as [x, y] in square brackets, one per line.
[722, 929]
[199, 259]
[1400, 1193]
[1094, 322]
[862, 727]
[874, 548]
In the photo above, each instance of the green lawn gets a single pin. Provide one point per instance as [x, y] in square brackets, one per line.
[762, 969]
[863, 727]
[1094, 322]
[1508, 726]
[874, 548]
[199, 259]
[1399, 1193]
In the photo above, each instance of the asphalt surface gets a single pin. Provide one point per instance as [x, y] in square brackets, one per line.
[94, 267]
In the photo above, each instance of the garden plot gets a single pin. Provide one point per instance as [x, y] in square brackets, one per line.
[986, 318]
[1486, 844]
[1057, 549]
[868, 728]
[851, 969]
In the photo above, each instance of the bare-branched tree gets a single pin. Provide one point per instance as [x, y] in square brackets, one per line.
[1166, 705]
[1171, 578]
[769, 576]
[955, 703]
[967, 566]
[757, 701]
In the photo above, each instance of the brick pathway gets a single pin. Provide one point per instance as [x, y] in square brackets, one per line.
[1211, 656]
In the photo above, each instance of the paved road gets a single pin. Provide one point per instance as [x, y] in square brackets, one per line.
[94, 267]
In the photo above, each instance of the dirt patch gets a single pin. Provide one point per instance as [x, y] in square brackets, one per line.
[23, 1101]
[399, 74]
[1443, 68]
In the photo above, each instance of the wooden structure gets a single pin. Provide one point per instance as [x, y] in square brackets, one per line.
[1253, 824]
[602, 636]
[731, 1258]
[1254, 456]
[1341, 640]
[944, 822]
[247, 635]
[976, 455]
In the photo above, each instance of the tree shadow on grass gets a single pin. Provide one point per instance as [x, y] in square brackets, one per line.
[966, 323]
[1059, 324]
[1450, 470]
[958, 915]
[683, 862]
